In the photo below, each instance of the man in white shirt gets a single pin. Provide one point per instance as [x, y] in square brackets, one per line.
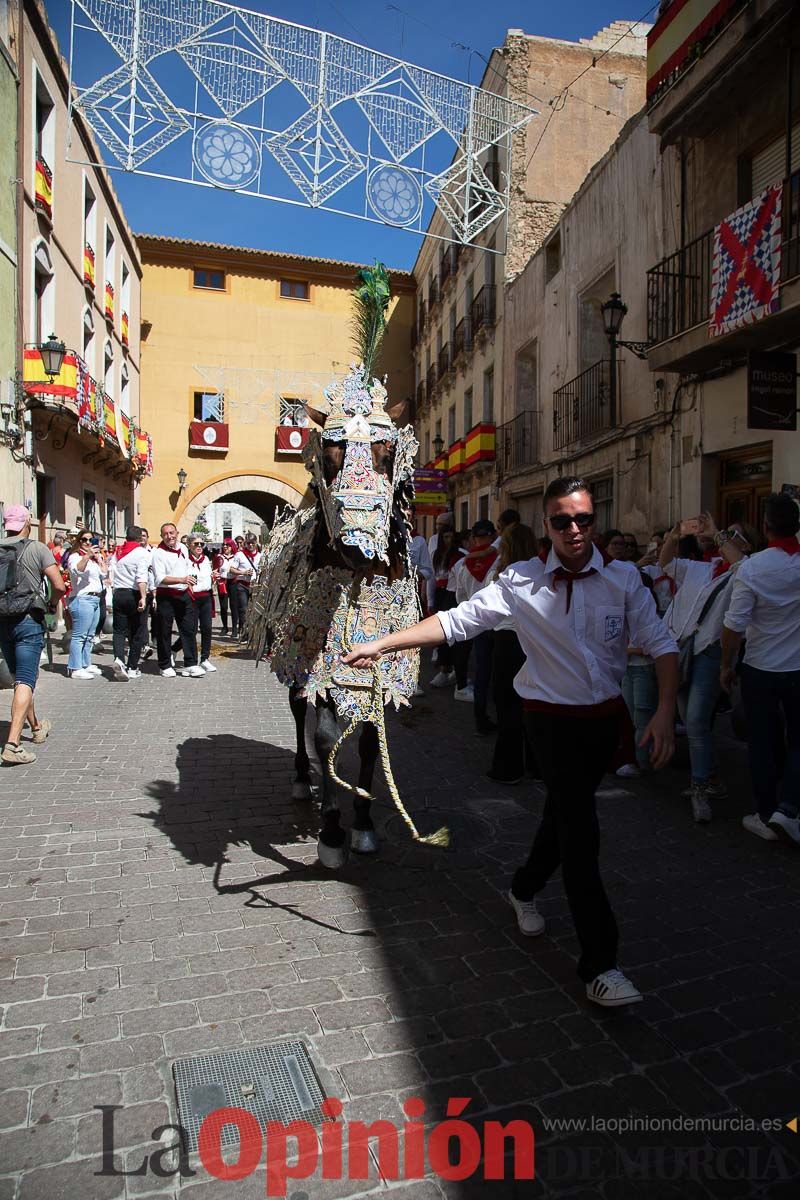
[765, 608]
[575, 616]
[171, 576]
[467, 577]
[131, 570]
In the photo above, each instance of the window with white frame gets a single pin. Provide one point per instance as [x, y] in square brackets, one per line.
[209, 406]
[89, 235]
[44, 124]
[603, 495]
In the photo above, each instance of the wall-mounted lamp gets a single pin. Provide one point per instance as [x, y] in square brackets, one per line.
[182, 477]
[52, 352]
[438, 445]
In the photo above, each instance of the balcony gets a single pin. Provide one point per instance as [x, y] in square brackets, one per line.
[704, 53]
[88, 268]
[446, 269]
[679, 300]
[483, 312]
[480, 444]
[434, 295]
[421, 395]
[444, 364]
[581, 407]
[422, 317]
[462, 339]
[43, 189]
[516, 444]
[290, 440]
[431, 380]
[90, 413]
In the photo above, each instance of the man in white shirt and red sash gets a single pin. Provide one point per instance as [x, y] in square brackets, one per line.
[765, 606]
[575, 615]
[172, 576]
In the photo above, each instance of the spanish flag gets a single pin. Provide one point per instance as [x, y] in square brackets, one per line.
[109, 418]
[124, 328]
[44, 188]
[64, 385]
[480, 444]
[455, 459]
[673, 38]
[109, 302]
[88, 266]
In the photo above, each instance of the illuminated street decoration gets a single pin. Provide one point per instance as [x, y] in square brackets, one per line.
[201, 91]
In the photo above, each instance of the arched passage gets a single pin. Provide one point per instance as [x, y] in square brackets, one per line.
[263, 494]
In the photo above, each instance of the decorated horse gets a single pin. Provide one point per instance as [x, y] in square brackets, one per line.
[337, 573]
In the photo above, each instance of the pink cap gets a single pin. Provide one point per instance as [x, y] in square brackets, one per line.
[15, 517]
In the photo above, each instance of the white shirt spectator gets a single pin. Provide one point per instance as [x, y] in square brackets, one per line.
[765, 607]
[88, 582]
[420, 558]
[695, 582]
[170, 562]
[241, 563]
[132, 569]
[575, 657]
[463, 582]
[201, 574]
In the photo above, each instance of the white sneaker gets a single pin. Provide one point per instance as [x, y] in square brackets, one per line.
[529, 919]
[466, 693]
[611, 988]
[96, 641]
[168, 673]
[789, 827]
[120, 670]
[629, 771]
[134, 673]
[754, 824]
[193, 672]
[207, 666]
[80, 673]
[93, 669]
[443, 679]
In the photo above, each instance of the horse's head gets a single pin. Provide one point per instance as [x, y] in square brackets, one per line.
[357, 455]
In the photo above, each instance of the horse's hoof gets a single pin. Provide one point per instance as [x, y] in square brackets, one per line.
[332, 857]
[300, 790]
[363, 841]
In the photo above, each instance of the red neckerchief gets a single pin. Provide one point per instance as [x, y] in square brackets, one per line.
[199, 559]
[720, 569]
[673, 587]
[570, 577]
[126, 548]
[789, 545]
[161, 546]
[543, 555]
[251, 554]
[478, 564]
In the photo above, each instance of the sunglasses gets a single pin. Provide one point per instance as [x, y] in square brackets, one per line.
[562, 521]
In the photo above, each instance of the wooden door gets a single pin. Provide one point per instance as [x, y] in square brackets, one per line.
[745, 483]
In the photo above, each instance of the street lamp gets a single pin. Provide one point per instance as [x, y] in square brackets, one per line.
[52, 352]
[614, 311]
[182, 477]
[438, 445]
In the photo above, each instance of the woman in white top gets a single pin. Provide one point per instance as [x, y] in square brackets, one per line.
[87, 576]
[701, 598]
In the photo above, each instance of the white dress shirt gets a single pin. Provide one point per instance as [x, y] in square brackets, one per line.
[765, 606]
[132, 569]
[695, 582]
[201, 574]
[576, 657]
[240, 562]
[89, 581]
[170, 562]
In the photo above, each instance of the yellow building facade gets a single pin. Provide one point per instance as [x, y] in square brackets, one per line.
[234, 343]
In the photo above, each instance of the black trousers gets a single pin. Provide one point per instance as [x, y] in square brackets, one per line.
[573, 754]
[180, 610]
[129, 625]
[202, 610]
[772, 706]
[223, 610]
[102, 614]
[509, 749]
[239, 594]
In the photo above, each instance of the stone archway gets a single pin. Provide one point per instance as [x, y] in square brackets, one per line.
[263, 493]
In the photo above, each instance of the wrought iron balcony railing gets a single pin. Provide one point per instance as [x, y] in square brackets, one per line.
[462, 338]
[484, 309]
[581, 407]
[444, 361]
[517, 444]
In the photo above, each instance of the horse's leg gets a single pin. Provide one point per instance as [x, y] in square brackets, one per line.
[362, 837]
[301, 787]
[331, 844]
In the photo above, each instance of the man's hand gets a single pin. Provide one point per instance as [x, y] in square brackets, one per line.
[141, 605]
[661, 733]
[727, 677]
[365, 655]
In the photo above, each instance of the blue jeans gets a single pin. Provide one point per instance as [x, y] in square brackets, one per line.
[22, 642]
[696, 704]
[84, 610]
[772, 705]
[640, 690]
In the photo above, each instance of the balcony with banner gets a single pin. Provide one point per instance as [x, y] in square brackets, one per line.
[734, 289]
[88, 267]
[74, 405]
[43, 189]
[480, 444]
[582, 407]
[702, 53]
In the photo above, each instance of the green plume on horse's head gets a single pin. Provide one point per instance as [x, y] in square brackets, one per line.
[370, 300]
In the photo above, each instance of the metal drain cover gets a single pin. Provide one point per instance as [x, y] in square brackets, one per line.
[274, 1083]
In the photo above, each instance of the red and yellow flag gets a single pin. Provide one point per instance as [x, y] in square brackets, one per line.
[480, 444]
[44, 188]
[109, 302]
[64, 385]
[124, 329]
[109, 418]
[88, 266]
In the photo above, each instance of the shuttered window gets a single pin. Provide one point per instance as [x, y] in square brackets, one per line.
[769, 165]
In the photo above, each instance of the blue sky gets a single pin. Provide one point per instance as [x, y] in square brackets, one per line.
[423, 33]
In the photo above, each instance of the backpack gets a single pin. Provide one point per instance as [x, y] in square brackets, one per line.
[16, 596]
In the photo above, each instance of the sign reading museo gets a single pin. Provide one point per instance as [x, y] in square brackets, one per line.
[771, 391]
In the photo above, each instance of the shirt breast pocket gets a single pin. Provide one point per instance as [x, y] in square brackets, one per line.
[609, 624]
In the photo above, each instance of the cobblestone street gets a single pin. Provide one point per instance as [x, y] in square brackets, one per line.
[161, 899]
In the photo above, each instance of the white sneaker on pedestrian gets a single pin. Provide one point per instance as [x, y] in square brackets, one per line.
[529, 919]
[96, 641]
[93, 669]
[168, 673]
[629, 771]
[207, 666]
[120, 670]
[81, 673]
[466, 693]
[612, 988]
[701, 809]
[788, 827]
[134, 673]
[443, 679]
[193, 672]
[753, 824]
